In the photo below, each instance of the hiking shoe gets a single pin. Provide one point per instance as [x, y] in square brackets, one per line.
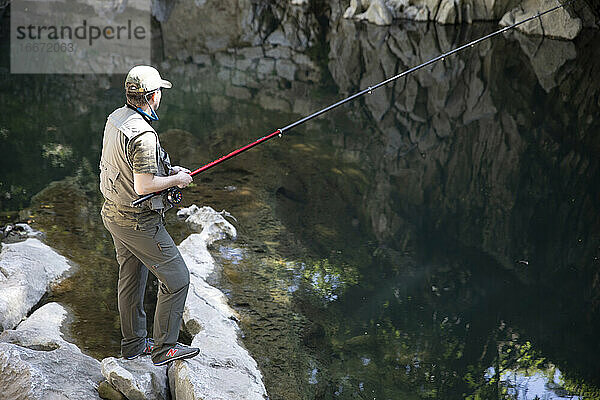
[177, 352]
[145, 352]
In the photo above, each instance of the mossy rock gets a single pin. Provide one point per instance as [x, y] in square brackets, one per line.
[107, 391]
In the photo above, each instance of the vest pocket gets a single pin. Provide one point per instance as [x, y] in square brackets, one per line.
[108, 179]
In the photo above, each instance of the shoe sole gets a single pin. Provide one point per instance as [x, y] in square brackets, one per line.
[183, 357]
[138, 356]
[142, 354]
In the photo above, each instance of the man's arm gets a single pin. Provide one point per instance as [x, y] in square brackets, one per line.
[150, 183]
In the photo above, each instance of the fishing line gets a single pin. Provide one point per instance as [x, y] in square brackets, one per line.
[174, 195]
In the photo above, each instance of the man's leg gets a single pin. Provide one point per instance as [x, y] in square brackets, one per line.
[171, 300]
[131, 288]
[156, 249]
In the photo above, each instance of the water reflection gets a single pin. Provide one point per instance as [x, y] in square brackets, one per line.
[398, 248]
[547, 384]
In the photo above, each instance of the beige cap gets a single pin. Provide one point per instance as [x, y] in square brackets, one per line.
[144, 79]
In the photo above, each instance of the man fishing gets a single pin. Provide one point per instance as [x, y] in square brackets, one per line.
[133, 163]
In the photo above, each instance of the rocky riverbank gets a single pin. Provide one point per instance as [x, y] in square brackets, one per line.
[31, 352]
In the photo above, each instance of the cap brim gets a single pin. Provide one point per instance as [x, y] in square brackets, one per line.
[166, 84]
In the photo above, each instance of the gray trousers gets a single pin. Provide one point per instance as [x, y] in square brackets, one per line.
[139, 250]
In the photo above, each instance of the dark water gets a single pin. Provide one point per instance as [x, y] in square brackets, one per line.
[436, 239]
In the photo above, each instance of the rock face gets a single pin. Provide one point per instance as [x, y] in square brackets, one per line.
[262, 28]
[223, 369]
[558, 24]
[209, 35]
[440, 11]
[27, 270]
[37, 363]
[137, 379]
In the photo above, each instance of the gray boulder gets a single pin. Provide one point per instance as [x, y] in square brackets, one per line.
[211, 224]
[27, 271]
[137, 379]
[375, 11]
[199, 378]
[19, 232]
[27, 374]
[108, 392]
[37, 363]
[42, 330]
[224, 369]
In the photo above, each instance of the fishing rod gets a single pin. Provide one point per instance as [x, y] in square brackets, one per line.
[174, 194]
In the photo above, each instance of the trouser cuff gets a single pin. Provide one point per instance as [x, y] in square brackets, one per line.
[132, 347]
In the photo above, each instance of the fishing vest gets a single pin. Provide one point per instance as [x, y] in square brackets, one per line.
[123, 126]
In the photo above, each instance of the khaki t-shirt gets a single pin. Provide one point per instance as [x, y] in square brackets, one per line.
[142, 154]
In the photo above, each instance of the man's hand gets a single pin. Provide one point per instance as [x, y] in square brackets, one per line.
[183, 178]
[175, 169]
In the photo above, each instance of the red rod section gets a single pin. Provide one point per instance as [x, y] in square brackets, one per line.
[236, 152]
